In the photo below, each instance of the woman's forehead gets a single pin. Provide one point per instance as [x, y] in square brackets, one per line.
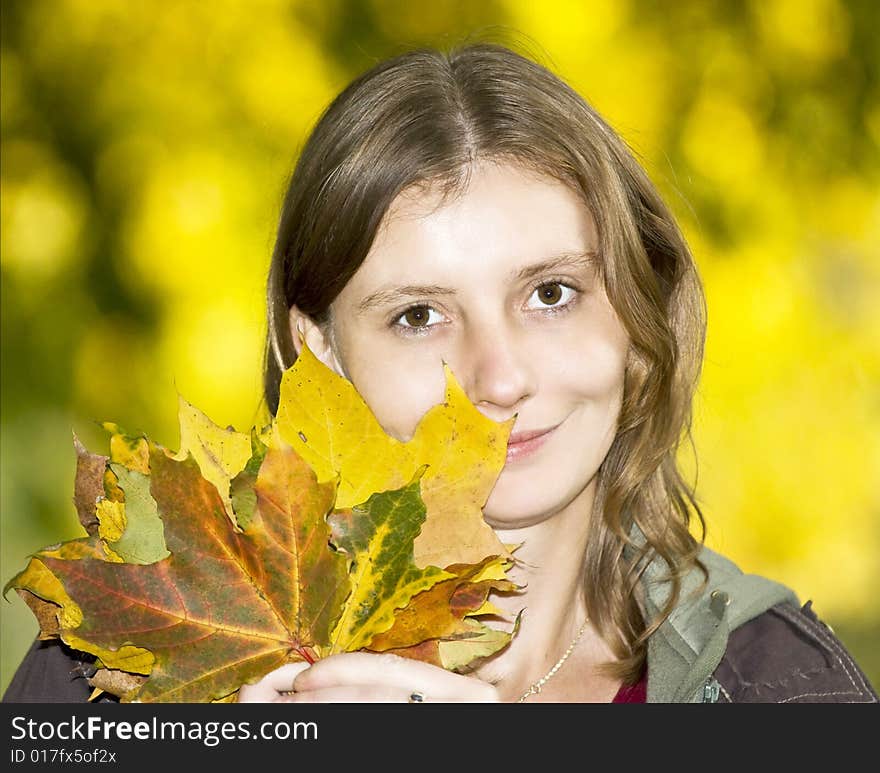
[492, 175]
[504, 217]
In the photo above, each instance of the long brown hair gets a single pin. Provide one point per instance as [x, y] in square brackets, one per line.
[423, 118]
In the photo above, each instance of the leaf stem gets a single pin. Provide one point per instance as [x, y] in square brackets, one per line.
[307, 653]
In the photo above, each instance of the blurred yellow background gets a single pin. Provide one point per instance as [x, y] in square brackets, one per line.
[145, 150]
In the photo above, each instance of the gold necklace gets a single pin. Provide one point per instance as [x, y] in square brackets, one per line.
[535, 688]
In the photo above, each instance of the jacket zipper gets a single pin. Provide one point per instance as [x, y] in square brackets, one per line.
[711, 689]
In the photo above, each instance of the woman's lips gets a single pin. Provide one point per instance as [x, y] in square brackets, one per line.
[523, 444]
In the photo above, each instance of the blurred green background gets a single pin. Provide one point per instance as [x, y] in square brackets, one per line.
[145, 149]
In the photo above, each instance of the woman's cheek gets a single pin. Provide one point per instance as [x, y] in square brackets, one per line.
[396, 413]
[399, 392]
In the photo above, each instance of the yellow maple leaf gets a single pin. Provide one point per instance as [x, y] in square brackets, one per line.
[324, 418]
[220, 453]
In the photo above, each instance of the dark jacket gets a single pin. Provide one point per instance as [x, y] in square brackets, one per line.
[788, 655]
[740, 639]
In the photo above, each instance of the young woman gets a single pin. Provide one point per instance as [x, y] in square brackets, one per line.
[468, 207]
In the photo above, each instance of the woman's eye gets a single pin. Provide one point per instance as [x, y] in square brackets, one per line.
[551, 294]
[419, 317]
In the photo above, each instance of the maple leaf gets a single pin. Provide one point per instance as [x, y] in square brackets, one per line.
[130, 526]
[444, 611]
[204, 570]
[379, 536]
[88, 485]
[221, 453]
[324, 418]
[226, 606]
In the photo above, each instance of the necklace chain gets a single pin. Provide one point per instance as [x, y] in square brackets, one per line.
[535, 688]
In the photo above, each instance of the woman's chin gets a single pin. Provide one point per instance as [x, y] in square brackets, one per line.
[517, 503]
[510, 511]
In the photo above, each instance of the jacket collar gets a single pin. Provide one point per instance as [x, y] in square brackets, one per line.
[684, 652]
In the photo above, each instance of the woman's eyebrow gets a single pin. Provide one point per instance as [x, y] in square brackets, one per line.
[390, 295]
[577, 259]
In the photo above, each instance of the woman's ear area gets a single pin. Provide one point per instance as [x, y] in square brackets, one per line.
[304, 329]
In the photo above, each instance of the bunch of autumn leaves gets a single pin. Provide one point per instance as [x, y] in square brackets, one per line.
[204, 570]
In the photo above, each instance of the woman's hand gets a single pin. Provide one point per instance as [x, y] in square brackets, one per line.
[363, 677]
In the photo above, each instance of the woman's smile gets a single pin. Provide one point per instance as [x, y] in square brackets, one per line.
[522, 445]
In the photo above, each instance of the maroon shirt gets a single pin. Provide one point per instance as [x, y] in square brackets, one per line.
[633, 693]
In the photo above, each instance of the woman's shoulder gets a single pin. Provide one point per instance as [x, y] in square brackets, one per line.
[788, 655]
[51, 672]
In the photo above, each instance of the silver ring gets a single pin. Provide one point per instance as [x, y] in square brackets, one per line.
[416, 697]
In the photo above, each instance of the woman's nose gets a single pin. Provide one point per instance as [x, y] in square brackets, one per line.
[500, 374]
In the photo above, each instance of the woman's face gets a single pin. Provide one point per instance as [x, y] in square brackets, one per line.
[502, 284]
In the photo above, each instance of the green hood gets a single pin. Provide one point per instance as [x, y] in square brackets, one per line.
[686, 649]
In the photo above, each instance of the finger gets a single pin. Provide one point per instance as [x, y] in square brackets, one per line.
[347, 694]
[268, 688]
[394, 674]
[364, 669]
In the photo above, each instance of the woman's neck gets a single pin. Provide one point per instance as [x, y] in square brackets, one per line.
[549, 568]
